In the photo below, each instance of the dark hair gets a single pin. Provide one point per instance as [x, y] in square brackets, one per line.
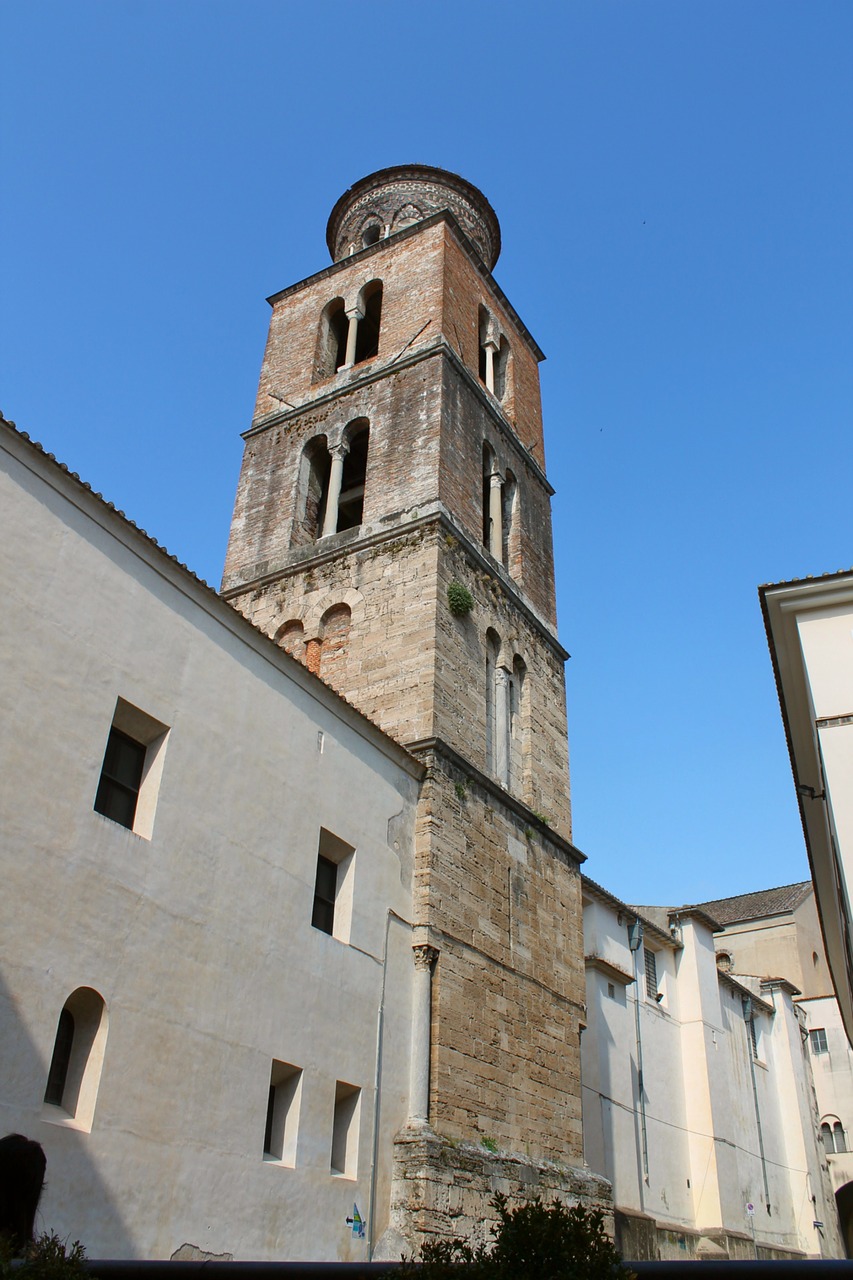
[22, 1166]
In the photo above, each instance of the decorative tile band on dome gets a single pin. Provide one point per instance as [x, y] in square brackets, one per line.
[392, 199]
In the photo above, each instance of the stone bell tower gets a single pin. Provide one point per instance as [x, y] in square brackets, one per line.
[392, 530]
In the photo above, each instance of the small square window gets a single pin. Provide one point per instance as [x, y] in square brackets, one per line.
[332, 909]
[817, 1040]
[132, 768]
[282, 1113]
[345, 1130]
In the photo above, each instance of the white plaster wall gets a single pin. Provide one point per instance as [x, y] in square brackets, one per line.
[199, 939]
[833, 1080]
[704, 1154]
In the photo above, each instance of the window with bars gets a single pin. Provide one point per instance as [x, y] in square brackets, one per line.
[651, 973]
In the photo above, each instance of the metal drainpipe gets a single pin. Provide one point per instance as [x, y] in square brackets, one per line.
[635, 938]
[748, 1016]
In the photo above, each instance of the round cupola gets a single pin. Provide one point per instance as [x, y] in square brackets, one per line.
[390, 200]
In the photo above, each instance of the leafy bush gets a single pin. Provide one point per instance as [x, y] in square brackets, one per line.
[532, 1242]
[47, 1258]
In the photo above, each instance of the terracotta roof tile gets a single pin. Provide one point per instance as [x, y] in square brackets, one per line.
[754, 906]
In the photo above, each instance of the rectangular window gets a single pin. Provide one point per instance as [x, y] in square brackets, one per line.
[121, 776]
[333, 886]
[283, 1113]
[345, 1130]
[131, 769]
[651, 974]
[817, 1040]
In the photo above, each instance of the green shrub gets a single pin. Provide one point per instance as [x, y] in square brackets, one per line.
[459, 599]
[532, 1242]
[47, 1258]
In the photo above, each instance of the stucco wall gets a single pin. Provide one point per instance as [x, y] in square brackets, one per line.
[199, 939]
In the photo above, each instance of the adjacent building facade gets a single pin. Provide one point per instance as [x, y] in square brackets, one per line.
[778, 931]
[699, 1104]
[810, 632]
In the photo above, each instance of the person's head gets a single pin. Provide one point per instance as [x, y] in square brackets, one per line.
[22, 1166]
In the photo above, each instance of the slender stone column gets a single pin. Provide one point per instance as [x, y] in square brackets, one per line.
[425, 958]
[330, 519]
[502, 693]
[490, 350]
[496, 527]
[354, 314]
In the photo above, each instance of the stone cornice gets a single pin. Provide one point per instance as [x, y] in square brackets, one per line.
[372, 372]
[438, 747]
[338, 545]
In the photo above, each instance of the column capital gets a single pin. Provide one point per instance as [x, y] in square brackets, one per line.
[496, 479]
[425, 955]
[339, 450]
[354, 313]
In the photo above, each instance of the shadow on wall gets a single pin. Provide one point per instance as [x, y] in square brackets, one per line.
[844, 1200]
[76, 1202]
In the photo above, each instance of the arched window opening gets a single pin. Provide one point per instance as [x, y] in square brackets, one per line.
[371, 234]
[367, 338]
[493, 644]
[833, 1135]
[493, 354]
[78, 1055]
[314, 479]
[353, 476]
[335, 631]
[518, 724]
[501, 361]
[59, 1063]
[838, 1136]
[291, 638]
[488, 470]
[332, 344]
[483, 319]
[509, 510]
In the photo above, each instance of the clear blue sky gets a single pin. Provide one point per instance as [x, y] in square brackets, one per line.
[673, 180]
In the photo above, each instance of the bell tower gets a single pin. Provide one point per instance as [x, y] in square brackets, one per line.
[392, 530]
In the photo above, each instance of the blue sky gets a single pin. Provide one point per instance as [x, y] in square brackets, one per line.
[675, 191]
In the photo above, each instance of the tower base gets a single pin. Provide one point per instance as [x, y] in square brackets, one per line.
[443, 1189]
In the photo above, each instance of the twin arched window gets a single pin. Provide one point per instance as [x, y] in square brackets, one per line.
[494, 353]
[326, 653]
[349, 335]
[500, 510]
[332, 482]
[834, 1138]
[506, 715]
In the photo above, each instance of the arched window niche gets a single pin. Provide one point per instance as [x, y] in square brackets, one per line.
[353, 476]
[518, 722]
[334, 643]
[493, 355]
[314, 473]
[367, 334]
[77, 1059]
[332, 339]
[290, 636]
[493, 647]
[510, 550]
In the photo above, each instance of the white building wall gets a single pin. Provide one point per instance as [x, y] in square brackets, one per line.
[703, 1112]
[199, 939]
